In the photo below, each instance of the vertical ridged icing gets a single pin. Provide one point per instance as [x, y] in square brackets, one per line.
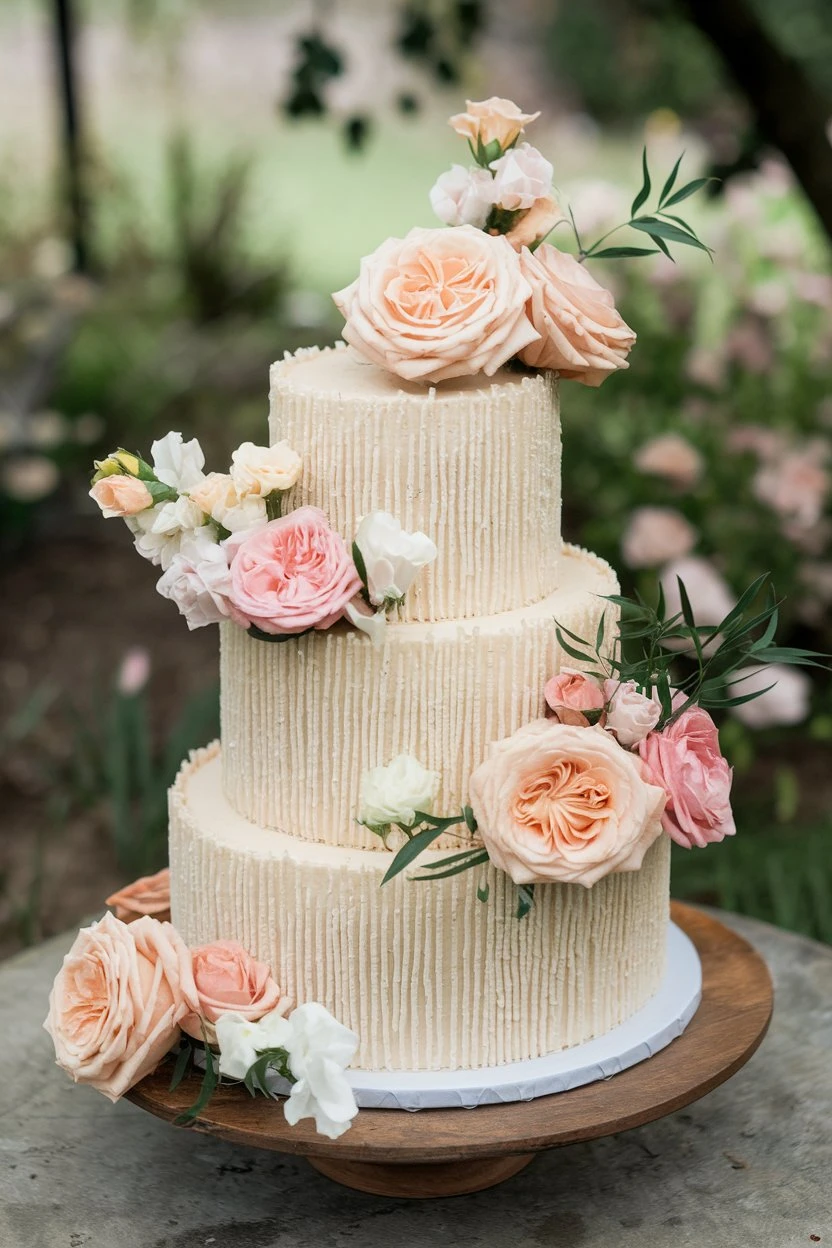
[429, 977]
[302, 721]
[475, 464]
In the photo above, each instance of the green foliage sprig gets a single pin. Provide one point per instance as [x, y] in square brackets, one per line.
[660, 225]
[255, 1080]
[650, 642]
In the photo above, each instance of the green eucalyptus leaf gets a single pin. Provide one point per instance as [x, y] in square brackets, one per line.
[209, 1082]
[483, 891]
[671, 180]
[621, 253]
[360, 566]
[278, 638]
[644, 193]
[525, 900]
[475, 860]
[666, 230]
[470, 821]
[410, 851]
[183, 1061]
[686, 191]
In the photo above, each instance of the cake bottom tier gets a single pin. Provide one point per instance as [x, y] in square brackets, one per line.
[428, 976]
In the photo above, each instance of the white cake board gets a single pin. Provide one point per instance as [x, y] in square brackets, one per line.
[662, 1019]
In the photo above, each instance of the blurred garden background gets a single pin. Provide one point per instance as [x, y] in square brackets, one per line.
[226, 164]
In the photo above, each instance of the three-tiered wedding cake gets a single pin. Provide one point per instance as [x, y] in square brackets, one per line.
[265, 847]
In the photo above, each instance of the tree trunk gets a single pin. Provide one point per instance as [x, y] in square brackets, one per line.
[790, 113]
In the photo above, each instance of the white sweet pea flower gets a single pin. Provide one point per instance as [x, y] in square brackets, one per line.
[249, 513]
[521, 176]
[158, 531]
[240, 1041]
[393, 794]
[320, 1049]
[373, 624]
[178, 463]
[392, 557]
[198, 580]
[264, 469]
[463, 196]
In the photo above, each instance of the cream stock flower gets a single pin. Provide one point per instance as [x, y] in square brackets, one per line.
[396, 792]
[264, 469]
[560, 803]
[580, 332]
[494, 120]
[439, 304]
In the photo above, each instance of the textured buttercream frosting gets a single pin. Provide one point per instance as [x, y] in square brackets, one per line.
[303, 720]
[428, 976]
[474, 463]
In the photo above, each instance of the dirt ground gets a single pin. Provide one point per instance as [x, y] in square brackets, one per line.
[73, 605]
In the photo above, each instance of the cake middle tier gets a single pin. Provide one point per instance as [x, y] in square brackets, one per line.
[474, 463]
[302, 720]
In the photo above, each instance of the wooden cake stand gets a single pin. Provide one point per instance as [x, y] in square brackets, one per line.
[448, 1152]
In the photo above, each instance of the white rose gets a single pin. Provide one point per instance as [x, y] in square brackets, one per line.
[158, 531]
[198, 580]
[264, 469]
[630, 714]
[787, 703]
[522, 175]
[463, 196]
[393, 794]
[240, 1040]
[320, 1049]
[392, 557]
[177, 463]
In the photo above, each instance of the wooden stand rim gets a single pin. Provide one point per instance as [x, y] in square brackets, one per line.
[737, 999]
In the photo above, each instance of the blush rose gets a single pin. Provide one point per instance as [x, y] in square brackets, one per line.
[494, 120]
[293, 574]
[118, 1000]
[439, 304]
[685, 759]
[121, 496]
[229, 980]
[581, 334]
[555, 802]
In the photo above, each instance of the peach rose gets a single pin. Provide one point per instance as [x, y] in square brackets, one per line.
[573, 692]
[491, 121]
[581, 333]
[118, 1000]
[148, 895]
[685, 759]
[559, 803]
[121, 496]
[230, 981]
[535, 223]
[292, 575]
[439, 304]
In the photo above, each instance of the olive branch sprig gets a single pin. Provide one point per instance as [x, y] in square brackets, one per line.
[660, 225]
[650, 641]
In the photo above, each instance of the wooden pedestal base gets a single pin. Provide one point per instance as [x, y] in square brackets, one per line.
[448, 1152]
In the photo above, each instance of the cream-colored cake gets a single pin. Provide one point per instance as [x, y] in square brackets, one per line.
[265, 844]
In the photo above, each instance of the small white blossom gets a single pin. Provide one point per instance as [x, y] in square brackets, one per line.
[240, 1040]
[463, 196]
[392, 557]
[394, 794]
[178, 463]
[158, 531]
[521, 176]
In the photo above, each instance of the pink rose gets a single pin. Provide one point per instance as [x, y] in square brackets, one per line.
[655, 535]
[573, 691]
[439, 304]
[118, 1000]
[686, 761]
[630, 714]
[292, 575]
[121, 496]
[148, 895]
[671, 456]
[230, 981]
[555, 802]
[492, 120]
[580, 332]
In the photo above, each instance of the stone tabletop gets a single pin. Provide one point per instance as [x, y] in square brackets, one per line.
[750, 1164]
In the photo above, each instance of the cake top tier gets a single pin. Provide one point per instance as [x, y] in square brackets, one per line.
[474, 463]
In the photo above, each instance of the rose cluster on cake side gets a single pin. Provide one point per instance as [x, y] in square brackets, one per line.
[227, 553]
[441, 304]
[129, 994]
[625, 751]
